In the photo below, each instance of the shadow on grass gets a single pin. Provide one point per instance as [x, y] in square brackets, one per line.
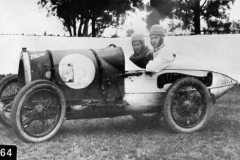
[113, 126]
[223, 120]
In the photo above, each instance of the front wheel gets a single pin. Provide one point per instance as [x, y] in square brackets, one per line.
[187, 105]
[38, 111]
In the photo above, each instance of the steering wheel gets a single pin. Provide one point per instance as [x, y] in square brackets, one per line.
[111, 45]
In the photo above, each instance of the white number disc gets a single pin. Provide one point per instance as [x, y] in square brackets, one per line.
[77, 71]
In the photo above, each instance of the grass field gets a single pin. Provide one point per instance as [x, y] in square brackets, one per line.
[124, 138]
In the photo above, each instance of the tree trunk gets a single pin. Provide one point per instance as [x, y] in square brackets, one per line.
[196, 18]
[69, 30]
[80, 27]
[93, 27]
[85, 29]
[74, 28]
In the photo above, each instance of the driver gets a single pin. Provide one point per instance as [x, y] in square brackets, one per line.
[142, 54]
[161, 58]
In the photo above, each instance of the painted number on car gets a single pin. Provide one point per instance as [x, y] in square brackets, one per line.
[37, 55]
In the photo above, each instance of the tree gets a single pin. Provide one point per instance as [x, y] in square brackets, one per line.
[160, 9]
[76, 15]
[130, 32]
[235, 28]
[217, 26]
[189, 11]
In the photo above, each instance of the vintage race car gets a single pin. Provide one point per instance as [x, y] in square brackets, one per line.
[79, 84]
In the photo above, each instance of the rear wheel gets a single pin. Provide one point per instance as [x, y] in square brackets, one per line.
[187, 105]
[8, 90]
[38, 111]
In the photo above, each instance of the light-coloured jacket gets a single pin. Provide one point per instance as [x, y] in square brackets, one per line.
[161, 59]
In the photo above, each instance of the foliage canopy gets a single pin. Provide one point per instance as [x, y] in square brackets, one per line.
[76, 15]
[191, 12]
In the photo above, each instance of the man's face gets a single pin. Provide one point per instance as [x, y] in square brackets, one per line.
[155, 41]
[137, 47]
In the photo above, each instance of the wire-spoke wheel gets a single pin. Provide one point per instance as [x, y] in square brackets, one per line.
[38, 111]
[187, 105]
[8, 90]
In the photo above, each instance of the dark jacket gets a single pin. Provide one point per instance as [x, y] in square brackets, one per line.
[143, 58]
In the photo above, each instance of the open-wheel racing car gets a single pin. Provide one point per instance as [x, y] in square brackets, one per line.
[77, 84]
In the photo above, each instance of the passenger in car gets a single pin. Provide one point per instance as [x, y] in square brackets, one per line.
[161, 57]
[142, 54]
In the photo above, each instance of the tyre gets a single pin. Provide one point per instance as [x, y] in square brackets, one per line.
[187, 106]
[38, 111]
[8, 90]
[147, 116]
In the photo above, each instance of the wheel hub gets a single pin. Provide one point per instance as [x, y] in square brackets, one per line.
[39, 108]
[184, 108]
[187, 103]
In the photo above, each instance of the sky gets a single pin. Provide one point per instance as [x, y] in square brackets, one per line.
[26, 16]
